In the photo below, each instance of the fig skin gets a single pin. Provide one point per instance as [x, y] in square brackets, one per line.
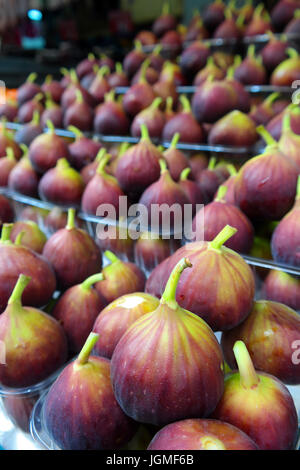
[148, 382]
[282, 287]
[110, 117]
[198, 290]
[35, 343]
[7, 213]
[83, 150]
[23, 178]
[16, 259]
[175, 158]
[83, 395]
[120, 278]
[268, 333]
[73, 254]
[77, 309]
[32, 238]
[201, 434]
[112, 322]
[287, 71]
[259, 404]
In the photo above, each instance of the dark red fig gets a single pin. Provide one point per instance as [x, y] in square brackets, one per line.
[293, 25]
[35, 214]
[32, 236]
[118, 78]
[29, 131]
[274, 52]
[152, 116]
[88, 171]
[285, 239]
[213, 217]
[69, 95]
[165, 22]
[83, 150]
[175, 158]
[110, 117]
[7, 214]
[198, 162]
[77, 309]
[288, 71]
[265, 187]
[191, 189]
[57, 219]
[102, 425]
[27, 110]
[209, 180]
[28, 90]
[274, 353]
[260, 22]
[156, 60]
[6, 165]
[274, 127]
[194, 58]
[289, 141]
[73, 254]
[133, 60]
[166, 89]
[197, 291]
[229, 196]
[66, 77]
[201, 434]
[282, 287]
[139, 166]
[213, 99]
[100, 86]
[230, 28]
[119, 278]
[146, 38]
[46, 149]
[86, 66]
[9, 110]
[140, 95]
[243, 96]
[105, 60]
[264, 112]
[168, 324]
[259, 404]
[150, 250]
[7, 140]
[79, 114]
[19, 409]
[61, 185]
[117, 317]
[251, 71]
[43, 343]
[151, 75]
[52, 112]
[197, 31]
[185, 123]
[214, 15]
[52, 88]
[17, 259]
[23, 178]
[283, 12]
[235, 129]
[211, 69]
[172, 71]
[164, 193]
[102, 190]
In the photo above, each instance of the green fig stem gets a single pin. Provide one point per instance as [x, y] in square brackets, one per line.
[100, 154]
[64, 71]
[251, 51]
[163, 166]
[62, 164]
[35, 118]
[5, 234]
[175, 140]
[157, 49]
[18, 240]
[102, 164]
[248, 375]
[155, 103]
[258, 10]
[169, 295]
[144, 133]
[111, 256]
[271, 98]
[38, 97]
[169, 103]
[73, 76]
[228, 14]
[123, 147]
[110, 96]
[297, 14]
[50, 126]
[71, 219]
[231, 168]
[212, 163]
[87, 349]
[48, 79]
[165, 9]
[186, 105]
[210, 61]
[292, 53]
[79, 97]
[222, 237]
[31, 77]
[262, 131]
[19, 288]
[230, 73]
[103, 71]
[90, 281]
[77, 132]
[298, 189]
[119, 67]
[221, 192]
[10, 154]
[240, 20]
[24, 149]
[138, 45]
[237, 61]
[91, 56]
[143, 71]
[184, 174]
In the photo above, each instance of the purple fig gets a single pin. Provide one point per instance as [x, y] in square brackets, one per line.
[235, 129]
[274, 52]
[146, 38]
[172, 71]
[274, 127]
[251, 71]
[44, 345]
[214, 14]
[118, 78]
[28, 90]
[168, 323]
[112, 322]
[100, 86]
[73, 254]
[166, 89]
[52, 112]
[194, 58]
[150, 250]
[23, 178]
[52, 88]
[152, 117]
[29, 131]
[79, 114]
[61, 185]
[192, 189]
[264, 112]
[259, 404]
[210, 69]
[175, 158]
[77, 309]
[102, 425]
[165, 22]
[27, 110]
[243, 96]
[9, 110]
[260, 22]
[69, 95]
[86, 66]
[283, 12]
[119, 278]
[231, 27]
[198, 162]
[17, 259]
[105, 60]
[288, 71]
[83, 150]
[282, 287]
[6, 165]
[32, 236]
[294, 24]
[140, 95]
[209, 180]
[156, 60]
[197, 31]
[133, 60]
[289, 141]
[46, 149]
[118, 240]
[57, 219]
[151, 75]
[110, 117]
[7, 140]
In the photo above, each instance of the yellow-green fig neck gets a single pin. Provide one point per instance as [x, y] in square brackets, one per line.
[169, 295]
[248, 376]
[16, 296]
[85, 352]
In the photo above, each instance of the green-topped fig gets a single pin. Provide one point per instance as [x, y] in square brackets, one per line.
[110, 117]
[7, 163]
[28, 90]
[140, 95]
[288, 71]
[176, 160]
[79, 114]
[33, 237]
[251, 71]
[152, 116]
[282, 287]
[83, 150]
[134, 59]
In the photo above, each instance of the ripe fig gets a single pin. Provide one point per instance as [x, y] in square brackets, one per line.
[175, 158]
[79, 114]
[140, 95]
[282, 287]
[32, 235]
[7, 163]
[28, 90]
[153, 117]
[83, 150]
[110, 117]
[251, 71]
[288, 71]
[23, 178]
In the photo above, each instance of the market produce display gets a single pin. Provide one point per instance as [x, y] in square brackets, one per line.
[121, 332]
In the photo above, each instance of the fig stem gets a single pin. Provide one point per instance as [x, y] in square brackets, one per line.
[169, 103]
[109, 96]
[102, 164]
[73, 77]
[10, 154]
[185, 103]
[36, 118]
[271, 98]
[165, 9]
[71, 219]
[144, 67]
[19, 288]
[175, 140]
[91, 57]
[5, 234]
[211, 443]
[184, 174]
[119, 68]
[163, 166]
[31, 77]
[77, 132]
[156, 103]
[251, 51]
[232, 170]
[157, 49]
[292, 53]
[169, 295]
[87, 348]
[123, 147]
[62, 163]
[221, 192]
[212, 163]
[87, 284]
[50, 126]
[24, 149]
[48, 79]
[79, 97]
[266, 135]
[298, 188]
[111, 256]
[138, 45]
[222, 237]
[19, 237]
[100, 154]
[248, 375]
[144, 133]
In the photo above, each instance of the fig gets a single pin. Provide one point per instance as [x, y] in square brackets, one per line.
[52, 88]
[260, 22]
[231, 27]
[259, 404]
[110, 117]
[165, 22]
[72, 253]
[83, 150]
[175, 158]
[118, 78]
[264, 112]
[150, 250]
[192, 190]
[214, 14]
[7, 140]
[9, 110]
[69, 95]
[54, 113]
[79, 114]
[140, 95]
[133, 60]
[289, 141]
[26, 111]
[146, 38]
[86, 65]
[274, 127]
[293, 25]
[156, 60]
[28, 90]
[194, 58]
[7, 214]
[235, 129]
[288, 71]
[23, 177]
[7, 163]
[113, 321]
[117, 238]
[100, 86]
[94, 421]
[152, 116]
[274, 52]
[29, 131]
[39, 346]
[282, 287]
[283, 12]
[32, 235]
[251, 71]
[243, 96]
[197, 290]
[210, 69]
[157, 394]
[209, 180]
